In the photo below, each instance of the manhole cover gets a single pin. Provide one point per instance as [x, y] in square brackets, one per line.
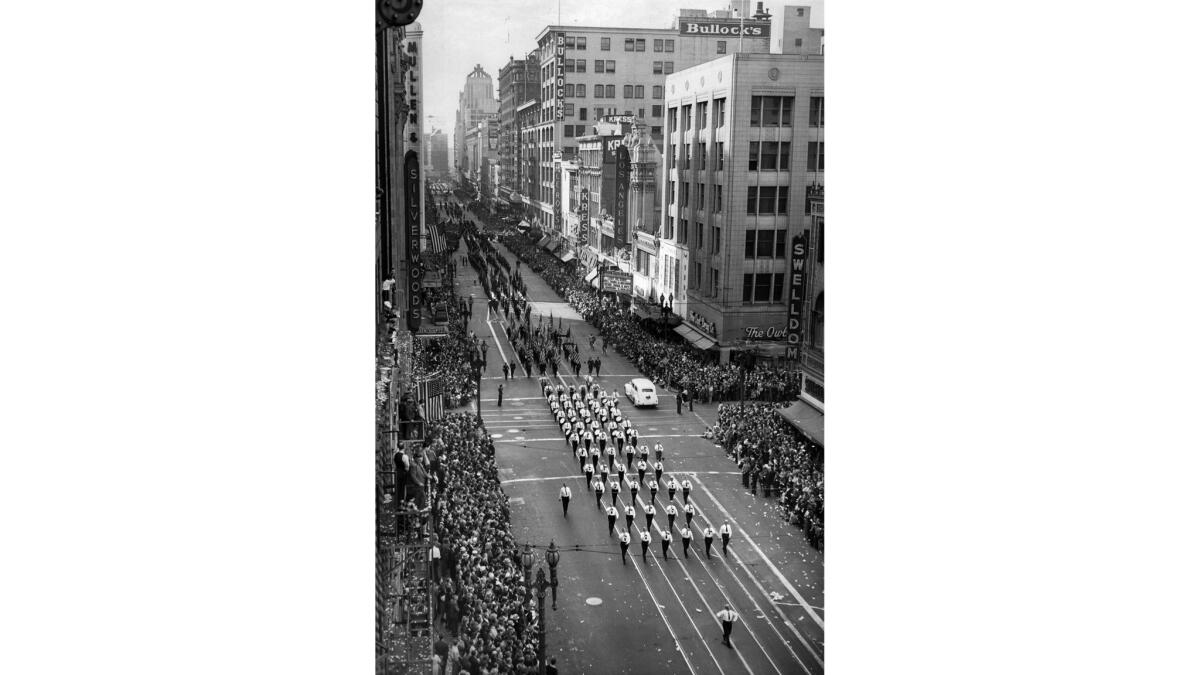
[593, 601]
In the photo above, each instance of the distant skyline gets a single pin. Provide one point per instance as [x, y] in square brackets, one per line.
[458, 35]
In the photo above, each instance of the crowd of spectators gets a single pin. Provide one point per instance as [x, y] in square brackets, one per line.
[480, 595]
[448, 358]
[670, 364]
[773, 455]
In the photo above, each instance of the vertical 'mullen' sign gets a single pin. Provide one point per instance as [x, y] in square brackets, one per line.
[795, 310]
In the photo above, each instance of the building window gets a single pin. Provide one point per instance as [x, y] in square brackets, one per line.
[785, 156]
[687, 155]
[582, 114]
[672, 120]
[641, 112]
[599, 66]
[699, 236]
[717, 189]
[569, 131]
[715, 238]
[702, 112]
[816, 111]
[610, 91]
[599, 92]
[720, 155]
[714, 282]
[703, 154]
[683, 231]
[785, 114]
[580, 43]
[640, 45]
[627, 91]
[658, 45]
[751, 200]
[599, 111]
[581, 65]
[753, 160]
[767, 156]
[670, 45]
[669, 66]
[756, 111]
[683, 195]
[656, 91]
[569, 42]
[670, 233]
[816, 156]
[656, 131]
[656, 111]
[658, 67]
[766, 199]
[569, 109]
[628, 44]
[670, 192]
[720, 46]
[605, 44]
[700, 197]
[639, 91]
[687, 118]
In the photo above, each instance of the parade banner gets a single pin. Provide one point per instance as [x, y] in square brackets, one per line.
[617, 282]
[795, 303]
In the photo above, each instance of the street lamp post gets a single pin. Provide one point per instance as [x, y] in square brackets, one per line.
[527, 564]
[541, 594]
[477, 363]
[552, 556]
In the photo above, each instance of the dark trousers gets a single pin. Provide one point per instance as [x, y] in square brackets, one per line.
[599, 496]
[624, 551]
[686, 544]
[726, 629]
[666, 549]
[708, 546]
[724, 544]
[628, 521]
[565, 501]
[645, 545]
[612, 522]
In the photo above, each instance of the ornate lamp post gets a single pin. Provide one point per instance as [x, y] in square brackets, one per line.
[477, 364]
[527, 564]
[552, 555]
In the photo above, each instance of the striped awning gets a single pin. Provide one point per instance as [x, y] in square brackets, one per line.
[695, 337]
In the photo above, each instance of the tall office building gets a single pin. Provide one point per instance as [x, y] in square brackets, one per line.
[741, 250]
[475, 102]
[518, 83]
[587, 73]
[437, 154]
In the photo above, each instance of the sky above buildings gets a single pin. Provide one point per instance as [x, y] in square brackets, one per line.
[463, 33]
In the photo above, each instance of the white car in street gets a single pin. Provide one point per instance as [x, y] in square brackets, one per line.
[641, 391]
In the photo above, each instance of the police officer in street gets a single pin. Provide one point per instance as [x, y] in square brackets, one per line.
[624, 537]
[612, 519]
[645, 543]
[685, 535]
[726, 533]
[709, 533]
[564, 494]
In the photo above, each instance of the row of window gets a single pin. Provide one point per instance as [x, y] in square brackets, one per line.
[631, 44]
[701, 115]
[763, 287]
[770, 156]
[610, 91]
[766, 200]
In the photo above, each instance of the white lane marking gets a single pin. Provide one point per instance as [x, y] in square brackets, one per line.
[710, 609]
[786, 584]
[686, 611]
[561, 439]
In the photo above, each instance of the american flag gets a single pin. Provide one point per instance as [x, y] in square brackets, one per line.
[437, 240]
[429, 397]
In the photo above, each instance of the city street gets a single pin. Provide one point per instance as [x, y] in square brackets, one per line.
[658, 614]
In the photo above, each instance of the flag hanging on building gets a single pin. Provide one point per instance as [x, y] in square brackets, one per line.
[429, 397]
[437, 240]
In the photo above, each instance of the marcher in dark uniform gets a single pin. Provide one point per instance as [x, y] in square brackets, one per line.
[500, 397]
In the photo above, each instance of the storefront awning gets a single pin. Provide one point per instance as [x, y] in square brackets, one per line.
[695, 337]
[523, 225]
[568, 256]
[543, 240]
[591, 276]
[808, 421]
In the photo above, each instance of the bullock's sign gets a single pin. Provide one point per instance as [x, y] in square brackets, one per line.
[725, 28]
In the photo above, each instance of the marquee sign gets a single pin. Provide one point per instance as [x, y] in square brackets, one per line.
[617, 282]
[795, 303]
[725, 28]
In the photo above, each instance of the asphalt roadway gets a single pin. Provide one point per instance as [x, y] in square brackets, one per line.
[657, 616]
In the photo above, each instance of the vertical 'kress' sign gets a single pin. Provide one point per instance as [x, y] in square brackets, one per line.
[795, 303]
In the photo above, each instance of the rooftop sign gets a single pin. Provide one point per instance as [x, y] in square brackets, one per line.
[725, 28]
